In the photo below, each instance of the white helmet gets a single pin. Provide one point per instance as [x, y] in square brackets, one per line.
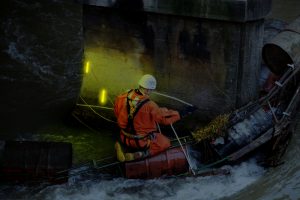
[148, 81]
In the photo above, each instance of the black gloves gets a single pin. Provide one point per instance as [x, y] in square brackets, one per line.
[187, 111]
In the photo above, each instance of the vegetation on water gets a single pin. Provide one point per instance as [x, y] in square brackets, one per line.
[87, 145]
[214, 129]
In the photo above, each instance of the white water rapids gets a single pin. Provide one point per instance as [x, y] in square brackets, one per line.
[194, 188]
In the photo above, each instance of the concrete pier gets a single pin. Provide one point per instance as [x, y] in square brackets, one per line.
[229, 10]
[206, 52]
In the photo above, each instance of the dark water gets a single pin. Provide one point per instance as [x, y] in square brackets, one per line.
[40, 60]
[25, 45]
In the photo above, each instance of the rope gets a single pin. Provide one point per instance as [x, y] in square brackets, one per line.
[174, 98]
[185, 154]
[198, 171]
[109, 120]
[92, 165]
[94, 106]
[84, 123]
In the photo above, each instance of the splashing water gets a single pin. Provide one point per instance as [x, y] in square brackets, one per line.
[195, 188]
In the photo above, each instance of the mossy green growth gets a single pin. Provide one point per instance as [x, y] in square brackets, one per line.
[214, 129]
[87, 145]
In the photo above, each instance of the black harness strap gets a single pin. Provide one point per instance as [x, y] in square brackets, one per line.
[130, 125]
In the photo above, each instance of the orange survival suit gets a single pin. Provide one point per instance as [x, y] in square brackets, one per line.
[137, 116]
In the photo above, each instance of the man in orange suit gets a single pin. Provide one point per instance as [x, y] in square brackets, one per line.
[138, 118]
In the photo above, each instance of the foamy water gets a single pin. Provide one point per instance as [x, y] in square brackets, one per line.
[194, 188]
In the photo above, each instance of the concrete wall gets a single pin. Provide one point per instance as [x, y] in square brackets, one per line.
[204, 52]
[287, 10]
[231, 10]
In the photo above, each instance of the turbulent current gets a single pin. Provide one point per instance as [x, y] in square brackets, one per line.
[171, 188]
[247, 180]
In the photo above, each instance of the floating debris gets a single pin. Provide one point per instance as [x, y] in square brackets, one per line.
[213, 129]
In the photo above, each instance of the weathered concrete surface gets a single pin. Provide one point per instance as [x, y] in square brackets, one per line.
[213, 64]
[231, 10]
[40, 60]
[287, 10]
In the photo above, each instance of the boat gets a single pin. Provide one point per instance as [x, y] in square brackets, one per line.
[264, 125]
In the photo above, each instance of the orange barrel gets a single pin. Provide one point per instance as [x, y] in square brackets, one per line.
[170, 162]
[34, 161]
[283, 49]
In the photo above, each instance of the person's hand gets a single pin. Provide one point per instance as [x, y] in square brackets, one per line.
[187, 111]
